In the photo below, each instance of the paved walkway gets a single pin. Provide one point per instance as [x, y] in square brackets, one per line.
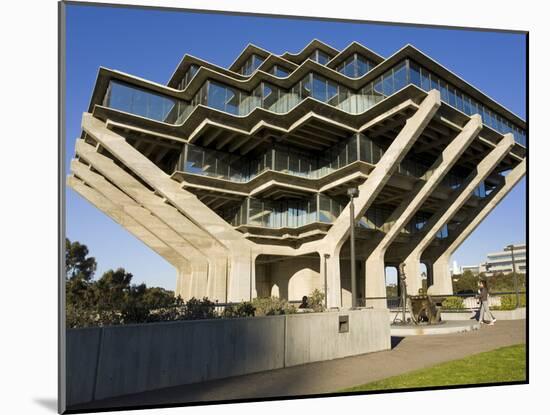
[407, 354]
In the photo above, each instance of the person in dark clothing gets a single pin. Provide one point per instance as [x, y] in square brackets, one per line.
[304, 303]
[484, 310]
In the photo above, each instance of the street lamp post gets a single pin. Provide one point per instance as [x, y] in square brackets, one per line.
[353, 192]
[516, 287]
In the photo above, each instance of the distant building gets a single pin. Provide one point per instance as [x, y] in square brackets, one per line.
[456, 269]
[501, 262]
[474, 269]
[498, 262]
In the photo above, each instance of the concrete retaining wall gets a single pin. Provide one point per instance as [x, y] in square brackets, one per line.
[118, 360]
[518, 314]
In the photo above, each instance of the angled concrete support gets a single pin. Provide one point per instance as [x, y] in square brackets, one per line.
[440, 256]
[215, 231]
[197, 266]
[369, 190]
[410, 205]
[118, 214]
[208, 259]
[449, 209]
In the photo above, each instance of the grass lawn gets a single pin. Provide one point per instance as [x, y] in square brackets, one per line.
[506, 364]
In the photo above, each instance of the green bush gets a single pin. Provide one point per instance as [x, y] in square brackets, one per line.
[453, 303]
[508, 302]
[244, 309]
[272, 306]
[196, 309]
[316, 301]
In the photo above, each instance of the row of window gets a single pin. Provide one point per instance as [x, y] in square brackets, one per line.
[318, 208]
[426, 80]
[223, 165]
[231, 100]
[354, 66]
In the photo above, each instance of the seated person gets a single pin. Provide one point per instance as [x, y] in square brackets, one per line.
[304, 303]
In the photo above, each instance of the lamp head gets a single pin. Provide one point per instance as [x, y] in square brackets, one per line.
[353, 192]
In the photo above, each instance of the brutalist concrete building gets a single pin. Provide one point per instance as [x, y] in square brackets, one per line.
[239, 176]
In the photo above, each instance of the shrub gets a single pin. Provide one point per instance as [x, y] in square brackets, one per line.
[508, 302]
[199, 309]
[453, 303]
[244, 309]
[272, 306]
[316, 300]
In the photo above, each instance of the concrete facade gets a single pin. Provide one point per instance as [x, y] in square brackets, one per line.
[245, 195]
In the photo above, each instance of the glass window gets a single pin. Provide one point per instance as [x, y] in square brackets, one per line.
[363, 66]
[279, 71]
[467, 107]
[434, 82]
[320, 56]
[444, 92]
[319, 88]
[414, 73]
[459, 101]
[387, 84]
[424, 79]
[332, 93]
[452, 97]
[400, 76]
[251, 64]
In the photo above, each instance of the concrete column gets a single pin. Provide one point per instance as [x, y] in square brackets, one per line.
[368, 191]
[241, 273]
[122, 217]
[168, 224]
[183, 284]
[442, 279]
[215, 228]
[334, 287]
[375, 280]
[410, 205]
[441, 255]
[449, 208]
[378, 177]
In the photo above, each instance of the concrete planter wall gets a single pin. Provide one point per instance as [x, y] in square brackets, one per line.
[518, 314]
[118, 360]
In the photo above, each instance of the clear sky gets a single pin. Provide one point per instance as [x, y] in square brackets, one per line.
[150, 44]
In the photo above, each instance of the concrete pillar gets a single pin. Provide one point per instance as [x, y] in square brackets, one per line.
[412, 272]
[429, 273]
[411, 203]
[449, 208]
[334, 287]
[369, 190]
[241, 274]
[441, 255]
[166, 222]
[216, 230]
[124, 219]
[375, 280]
[183, 284]
[442, 278]
[378, 177]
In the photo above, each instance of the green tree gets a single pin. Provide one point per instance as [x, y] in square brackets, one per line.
[77, 262]
[465, 283]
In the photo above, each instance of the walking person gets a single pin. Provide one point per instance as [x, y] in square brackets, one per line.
[484, 310]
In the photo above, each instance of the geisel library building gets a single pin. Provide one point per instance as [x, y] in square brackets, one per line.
[239, 177]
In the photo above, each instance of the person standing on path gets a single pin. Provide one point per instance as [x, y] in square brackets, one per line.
[484, 304]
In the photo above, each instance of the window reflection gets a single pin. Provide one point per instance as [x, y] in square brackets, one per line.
[138, 101]
[251, 64]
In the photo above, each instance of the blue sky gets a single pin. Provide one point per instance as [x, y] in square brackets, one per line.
[150, 44]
